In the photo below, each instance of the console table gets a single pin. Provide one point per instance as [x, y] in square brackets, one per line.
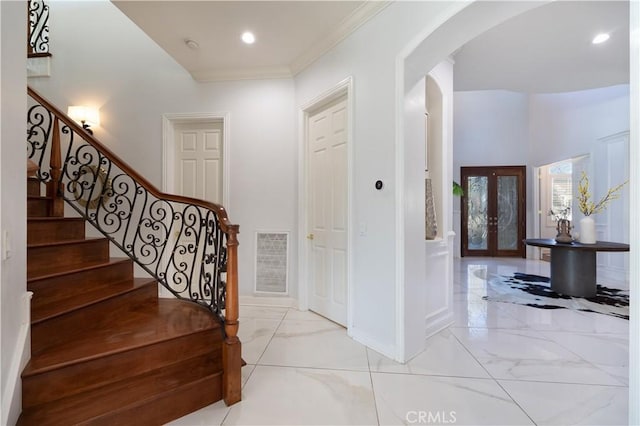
[573, 265]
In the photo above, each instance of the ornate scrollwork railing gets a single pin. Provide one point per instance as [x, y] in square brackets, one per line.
[188, 245]
[38, 17]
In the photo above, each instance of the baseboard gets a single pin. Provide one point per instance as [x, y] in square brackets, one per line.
[271, 301]
[387, 350]
[12, 394]
[438, 321]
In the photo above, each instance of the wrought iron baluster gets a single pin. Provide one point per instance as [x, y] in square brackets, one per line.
[38, 13]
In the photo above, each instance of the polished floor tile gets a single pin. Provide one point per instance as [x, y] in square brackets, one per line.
[444, 356]
[484, 315]
[498, 364]
[263, 312]
[411, 399]
[528, 355]
[304, 396]
[315, 344]
[609, 352]
[570, 404]
[255, 334]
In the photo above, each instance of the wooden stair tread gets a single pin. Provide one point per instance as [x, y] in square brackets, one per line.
[54, 219]
[111, 261]
[87, 240]
[62, 303]
[130, 327]
[116, 397]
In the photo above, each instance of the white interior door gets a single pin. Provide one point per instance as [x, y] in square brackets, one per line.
[198, 160]
[327, 210]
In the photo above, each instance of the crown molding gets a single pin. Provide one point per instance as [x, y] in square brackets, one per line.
[261, 73]
[359, 16]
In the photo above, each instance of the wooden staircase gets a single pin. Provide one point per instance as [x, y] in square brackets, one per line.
[105, 349]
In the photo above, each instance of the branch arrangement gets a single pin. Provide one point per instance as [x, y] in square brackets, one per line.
[586, 205]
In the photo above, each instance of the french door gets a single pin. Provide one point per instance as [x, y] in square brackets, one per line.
[493, 211]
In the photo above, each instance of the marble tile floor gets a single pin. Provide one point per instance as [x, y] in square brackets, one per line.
[498, 364]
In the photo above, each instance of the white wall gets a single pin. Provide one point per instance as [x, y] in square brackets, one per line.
[14, 300]
[565, 125]
[369, 55]
[497, 127]
[490, 128]
[115, 66]
[415, 292]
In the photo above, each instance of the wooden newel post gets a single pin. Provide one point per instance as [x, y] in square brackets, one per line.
[54, 186]
[231, 349]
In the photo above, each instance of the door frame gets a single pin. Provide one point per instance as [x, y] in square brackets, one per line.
[342, 89]
[492, 172]
[169, 122]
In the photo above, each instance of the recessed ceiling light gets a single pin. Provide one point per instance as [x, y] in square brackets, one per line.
[248, 37]
[600, 38]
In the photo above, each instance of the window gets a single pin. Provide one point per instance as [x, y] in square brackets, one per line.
[561, 188]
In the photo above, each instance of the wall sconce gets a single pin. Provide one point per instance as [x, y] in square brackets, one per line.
[86, 116]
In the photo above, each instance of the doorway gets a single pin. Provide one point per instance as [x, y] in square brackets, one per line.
[195, 160]
[493, 211]
[327, 260]
[196, 156]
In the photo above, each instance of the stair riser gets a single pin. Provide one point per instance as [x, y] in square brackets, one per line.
[65, 290]
[113, 272]
[173, 405]
[91, 374]
[63, 329]
[57, 258]
[54, 231]
[38, 207]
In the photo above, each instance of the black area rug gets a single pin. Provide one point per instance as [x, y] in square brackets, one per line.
[535, 291]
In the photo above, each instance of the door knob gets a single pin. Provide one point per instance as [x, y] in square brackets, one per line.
[310, 237]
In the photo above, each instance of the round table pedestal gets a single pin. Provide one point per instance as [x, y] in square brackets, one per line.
[573, 272]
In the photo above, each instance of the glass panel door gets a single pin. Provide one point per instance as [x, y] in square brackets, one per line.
[493, 211]
[477, 217]
[507, 221]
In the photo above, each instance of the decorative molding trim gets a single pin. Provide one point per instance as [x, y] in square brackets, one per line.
[265, 73]
[387, 350]
[168, 134]
[270, 301]
[12, 394]
[39, 66]
[438, 321]
[354, 21]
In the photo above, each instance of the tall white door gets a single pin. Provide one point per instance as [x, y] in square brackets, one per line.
[327, 209]
[198, 160]
[197, 173]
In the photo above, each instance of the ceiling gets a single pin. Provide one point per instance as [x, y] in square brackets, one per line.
[289, 34]
[547, 49]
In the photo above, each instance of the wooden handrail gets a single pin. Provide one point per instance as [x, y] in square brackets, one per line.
[226, 226]
[231, 350]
